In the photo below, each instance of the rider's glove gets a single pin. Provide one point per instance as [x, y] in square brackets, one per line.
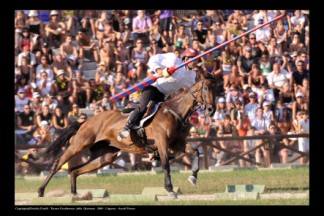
[165, 72]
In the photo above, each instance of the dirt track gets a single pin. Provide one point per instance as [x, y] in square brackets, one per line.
[201, 197]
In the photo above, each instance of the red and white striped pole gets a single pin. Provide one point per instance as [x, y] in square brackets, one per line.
[171, 70]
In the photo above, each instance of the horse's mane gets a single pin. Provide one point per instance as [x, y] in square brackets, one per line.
[177, 93]
[177, 96]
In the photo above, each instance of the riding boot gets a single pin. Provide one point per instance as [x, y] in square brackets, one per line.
[131, 121]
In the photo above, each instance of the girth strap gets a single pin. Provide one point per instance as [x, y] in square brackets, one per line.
[183, 123]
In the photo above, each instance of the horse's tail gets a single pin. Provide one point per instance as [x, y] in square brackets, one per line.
[55, 147]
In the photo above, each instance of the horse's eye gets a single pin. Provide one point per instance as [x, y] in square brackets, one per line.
[205, 88]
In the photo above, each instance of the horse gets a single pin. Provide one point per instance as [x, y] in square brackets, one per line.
[166, 132]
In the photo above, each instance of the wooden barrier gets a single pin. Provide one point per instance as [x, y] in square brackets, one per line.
[268, 139]
[207, 141]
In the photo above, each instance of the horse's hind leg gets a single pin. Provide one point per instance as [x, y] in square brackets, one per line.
[108, 155]
[47, 179]
[72, 183]
[56, 167]
[195, 168]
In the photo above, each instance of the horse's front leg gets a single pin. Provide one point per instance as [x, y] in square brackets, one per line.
[166, 169]
[195, 168]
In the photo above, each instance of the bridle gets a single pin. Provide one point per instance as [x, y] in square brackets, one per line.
[202, 103]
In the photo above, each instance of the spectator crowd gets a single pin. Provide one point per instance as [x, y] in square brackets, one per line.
[262, 78]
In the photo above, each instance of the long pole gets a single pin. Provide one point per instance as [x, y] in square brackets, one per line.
[171, 70]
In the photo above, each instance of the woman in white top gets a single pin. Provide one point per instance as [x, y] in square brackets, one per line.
[303, 142]
[281, 34]
[220, 113]
[184, 77]
[99, 24]
[219, 32]
[139, 58]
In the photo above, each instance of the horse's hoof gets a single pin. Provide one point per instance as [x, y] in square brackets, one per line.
[40, 193]
[173, 195]
[192, 180]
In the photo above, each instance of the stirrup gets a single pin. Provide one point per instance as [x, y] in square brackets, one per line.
[123, 134]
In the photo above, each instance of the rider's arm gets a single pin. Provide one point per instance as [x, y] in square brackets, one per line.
[157, 62]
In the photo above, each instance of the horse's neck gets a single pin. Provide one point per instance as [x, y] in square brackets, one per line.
[181, 104]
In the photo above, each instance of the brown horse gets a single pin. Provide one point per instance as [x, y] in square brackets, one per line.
[166, 132]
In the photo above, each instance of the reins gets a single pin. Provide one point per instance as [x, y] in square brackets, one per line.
[202, 103]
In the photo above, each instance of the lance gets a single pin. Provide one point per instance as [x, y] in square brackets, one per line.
[148, 81]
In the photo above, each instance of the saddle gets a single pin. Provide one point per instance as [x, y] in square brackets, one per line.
[151, 110]
[139, 129]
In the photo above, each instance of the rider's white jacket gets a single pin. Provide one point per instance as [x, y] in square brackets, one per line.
[181, 78]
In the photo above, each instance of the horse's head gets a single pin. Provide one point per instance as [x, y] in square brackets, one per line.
[204, 93]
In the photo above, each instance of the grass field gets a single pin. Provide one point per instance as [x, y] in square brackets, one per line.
[280, 180]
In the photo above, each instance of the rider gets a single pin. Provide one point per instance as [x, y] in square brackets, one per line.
[184, 77]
